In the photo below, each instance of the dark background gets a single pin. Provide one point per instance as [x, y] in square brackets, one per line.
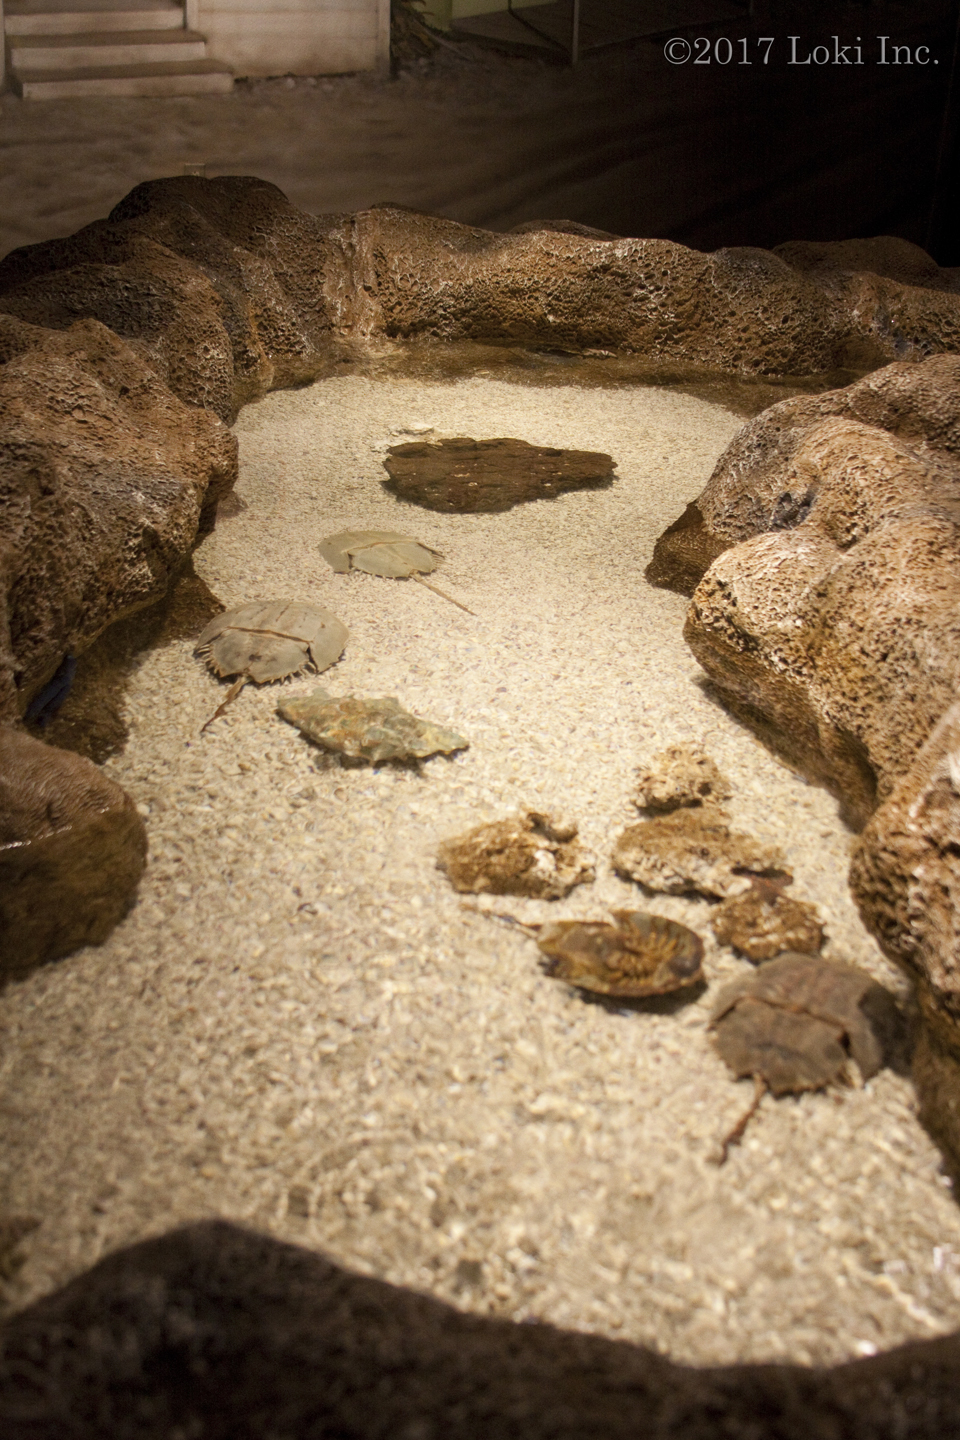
[704, 155]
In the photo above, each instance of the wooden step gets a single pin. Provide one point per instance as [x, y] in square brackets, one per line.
[26, 17]
[104, 49]
[189, 77]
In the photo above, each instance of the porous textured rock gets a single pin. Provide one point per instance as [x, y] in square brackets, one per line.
[829, 619]
[529, 854]
[72, 850]
[107, 480]
[223, 290]
[763, 922]
[832, 621]
[679, 775]
[740, 309]
[221, 283]
[469, 477]
[694, 850]
[760, 484]
[886, 255]
[231, 292]
[905, 876]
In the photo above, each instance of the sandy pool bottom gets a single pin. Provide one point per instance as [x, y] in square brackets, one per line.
[301, 1028]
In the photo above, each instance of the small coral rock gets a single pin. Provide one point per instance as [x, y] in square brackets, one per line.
[471, 477]
[72, 850]
[377, 729]
[694, 850]
[640, 955]
[795, 1022]
[680, 775]
[529, 854]
[763, 922]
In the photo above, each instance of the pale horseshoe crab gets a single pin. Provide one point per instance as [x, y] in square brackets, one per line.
[386, 553]
[268, 640]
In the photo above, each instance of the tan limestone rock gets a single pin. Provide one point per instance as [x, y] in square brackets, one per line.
[107, 480]
[694, 850]
[762, 484]
[531, 854]
[679, 775]
[763, 922]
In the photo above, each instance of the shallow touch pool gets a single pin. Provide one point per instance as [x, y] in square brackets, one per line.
[300, 1027]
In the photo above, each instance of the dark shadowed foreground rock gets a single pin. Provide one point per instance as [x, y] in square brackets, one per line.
[72, 850]
[106, 479]
[216, 1332]
[469, 477]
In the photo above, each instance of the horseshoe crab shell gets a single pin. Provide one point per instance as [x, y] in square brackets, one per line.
[794, 1021]
[379, 552]
[270, 639]
[641, 955]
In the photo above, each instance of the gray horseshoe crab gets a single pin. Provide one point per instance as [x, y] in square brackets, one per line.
[387, 553]
[268, 640]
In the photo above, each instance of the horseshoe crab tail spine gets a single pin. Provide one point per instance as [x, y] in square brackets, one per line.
[443, 594]
[737, 1133]
[232, 694]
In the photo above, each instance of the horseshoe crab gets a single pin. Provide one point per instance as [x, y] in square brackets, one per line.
[384, 552]
[268, 640]
[795, 1023]
[640, 955]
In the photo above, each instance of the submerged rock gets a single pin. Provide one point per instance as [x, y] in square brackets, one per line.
[680, 775]
[694, 850]
[640, 955]
[528, 854]
[72, 851]
[763, 922]
[796, 1021]
[468, 477]
[375, 729]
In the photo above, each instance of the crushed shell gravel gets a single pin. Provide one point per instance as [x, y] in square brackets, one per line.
[301, 1028]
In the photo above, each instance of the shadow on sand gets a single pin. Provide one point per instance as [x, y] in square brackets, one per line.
[213, 1331]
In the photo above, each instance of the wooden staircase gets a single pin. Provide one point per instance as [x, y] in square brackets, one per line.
[59, 49]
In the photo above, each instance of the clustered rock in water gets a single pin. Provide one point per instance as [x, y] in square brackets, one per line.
[679, 775]
[763, 922]
[694, 850]
[471, 477]
[530, 854]
[376, 729]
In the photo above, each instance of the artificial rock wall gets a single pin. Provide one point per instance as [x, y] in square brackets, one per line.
[821, 557]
